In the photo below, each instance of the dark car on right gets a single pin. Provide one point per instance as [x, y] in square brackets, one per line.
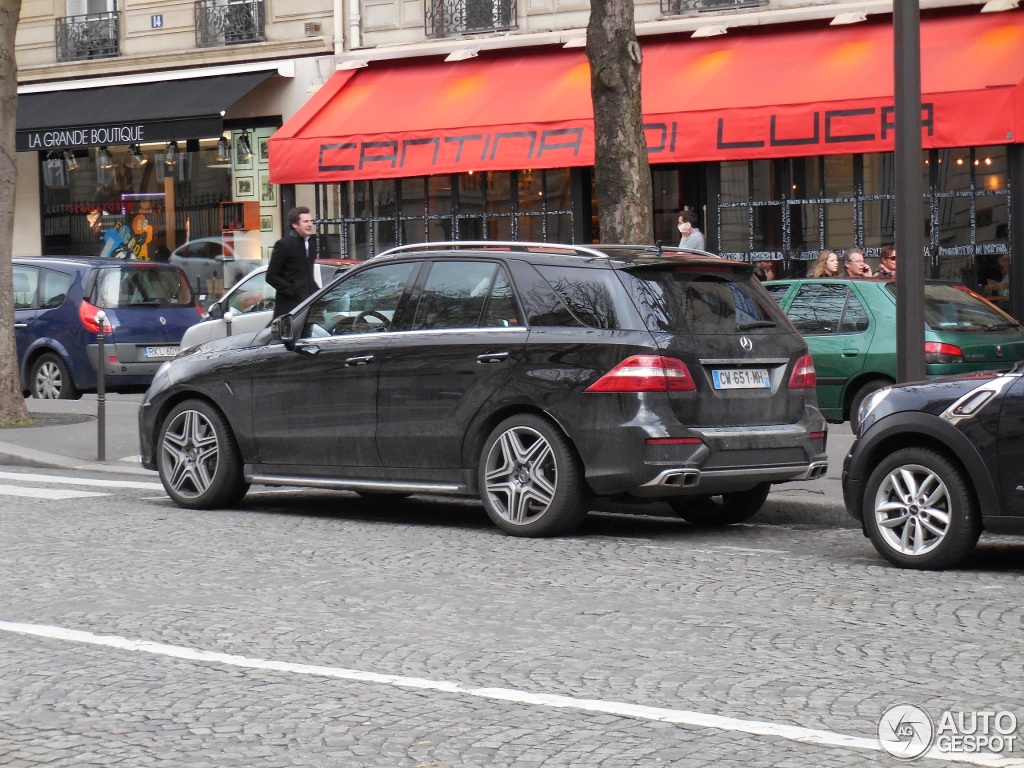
[934, 464]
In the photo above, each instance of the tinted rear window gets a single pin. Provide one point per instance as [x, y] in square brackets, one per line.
[947, 308]
[141, 286]
[686, 299]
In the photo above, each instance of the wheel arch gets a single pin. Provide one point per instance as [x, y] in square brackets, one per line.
[52, 348]
[854, 385]
[921, 430]
[484, 424]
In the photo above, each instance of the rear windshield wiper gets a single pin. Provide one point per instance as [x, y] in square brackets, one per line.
[756, 324]
[1002, 326]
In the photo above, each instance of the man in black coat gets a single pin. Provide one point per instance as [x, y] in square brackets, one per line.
[292, 263]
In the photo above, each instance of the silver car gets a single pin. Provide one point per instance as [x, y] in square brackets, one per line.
[251, 303]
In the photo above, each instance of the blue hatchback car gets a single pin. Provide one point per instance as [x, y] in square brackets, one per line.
[56, 299]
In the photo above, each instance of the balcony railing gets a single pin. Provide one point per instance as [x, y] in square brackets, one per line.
[95, 36]
[455, 17]
[680, 7]
[221, 22]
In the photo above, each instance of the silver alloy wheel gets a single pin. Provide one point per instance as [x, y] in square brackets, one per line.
[191, 450]
[912, 509]
[521, 476]
[49, 381]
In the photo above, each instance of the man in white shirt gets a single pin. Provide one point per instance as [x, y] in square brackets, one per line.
[692, 237]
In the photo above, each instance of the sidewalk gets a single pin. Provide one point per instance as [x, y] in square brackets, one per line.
[66, 436]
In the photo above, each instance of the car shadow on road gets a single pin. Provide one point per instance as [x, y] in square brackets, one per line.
[654, 520]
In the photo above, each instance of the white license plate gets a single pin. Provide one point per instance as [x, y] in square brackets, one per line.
[741, 378]
[160, 351]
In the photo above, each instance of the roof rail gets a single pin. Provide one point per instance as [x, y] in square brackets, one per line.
[505, 245]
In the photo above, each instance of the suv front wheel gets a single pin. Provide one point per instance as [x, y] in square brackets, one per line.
[531, 481]
[198, 458]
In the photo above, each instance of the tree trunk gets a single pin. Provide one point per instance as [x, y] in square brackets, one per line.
[12, 402]
[621, 169]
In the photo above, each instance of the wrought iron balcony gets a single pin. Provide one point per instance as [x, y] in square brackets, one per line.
[94, 36]
[229, 22]
[456, 17]
[682, 7]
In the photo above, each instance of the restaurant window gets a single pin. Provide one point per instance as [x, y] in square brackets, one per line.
[359, 219]
[969, 223]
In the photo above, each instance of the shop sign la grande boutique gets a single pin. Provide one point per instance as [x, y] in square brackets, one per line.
[66, 138]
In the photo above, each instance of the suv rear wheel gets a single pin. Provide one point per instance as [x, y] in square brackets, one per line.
[50, 380]
[721, 509]
[919, 510]
[530, 479]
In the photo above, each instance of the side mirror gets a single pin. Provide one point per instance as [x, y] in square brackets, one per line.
[215, 310]
[281, 330]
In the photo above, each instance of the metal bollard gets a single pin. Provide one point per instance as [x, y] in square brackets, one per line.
[229, 318]
[101, 390]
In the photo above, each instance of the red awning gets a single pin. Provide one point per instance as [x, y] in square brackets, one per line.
[748, 94]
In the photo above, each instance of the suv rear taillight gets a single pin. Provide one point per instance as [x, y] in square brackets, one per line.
[937, 352]
[646, 373]
[87, 314]
[803, 376]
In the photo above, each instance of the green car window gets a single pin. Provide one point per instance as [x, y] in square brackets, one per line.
[855, 317]
[817, 308]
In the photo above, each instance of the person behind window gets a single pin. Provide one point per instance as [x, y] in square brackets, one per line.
[997, 281]
[764, 270]
[854, 265]
[887, 262]
[292, 263]
[692, 237]
[826, 265]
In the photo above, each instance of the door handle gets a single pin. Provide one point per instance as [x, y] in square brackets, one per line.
[358, 360]
[21, 325]
[850, 353]
[490, 358]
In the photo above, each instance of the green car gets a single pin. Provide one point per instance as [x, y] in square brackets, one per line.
[850, 330]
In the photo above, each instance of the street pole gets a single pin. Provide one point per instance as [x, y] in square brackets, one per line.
[910, 364]
[101, 390]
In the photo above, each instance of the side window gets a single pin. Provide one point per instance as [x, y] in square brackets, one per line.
[362, 303]
[54, 288]
[778, 292]
[817, 308]
[501, 311]
[254, 295]
[594, 296]
[454, 295]
[26, 281]
[855, 318]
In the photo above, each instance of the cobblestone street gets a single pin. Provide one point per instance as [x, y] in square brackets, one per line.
[339, 634]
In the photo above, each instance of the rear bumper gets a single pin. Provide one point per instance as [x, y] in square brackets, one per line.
[725, 459]
[130, 366]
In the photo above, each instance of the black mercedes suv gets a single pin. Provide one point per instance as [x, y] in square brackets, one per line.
[533, 375]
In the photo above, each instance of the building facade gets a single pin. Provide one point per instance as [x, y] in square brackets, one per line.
[470, 119]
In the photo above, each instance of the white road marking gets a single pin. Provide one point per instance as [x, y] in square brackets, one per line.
[56, 480]
[619, 708]
[46, 493]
